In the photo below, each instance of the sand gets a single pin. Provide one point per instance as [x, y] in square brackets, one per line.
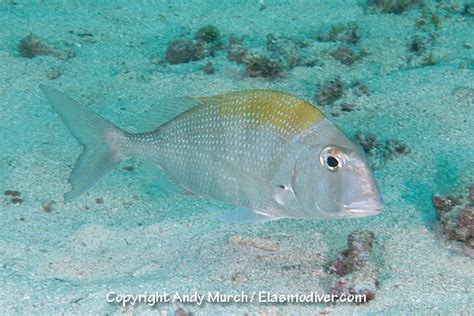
[127, 236]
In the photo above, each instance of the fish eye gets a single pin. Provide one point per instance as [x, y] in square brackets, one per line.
[332, 162]
[331, 158]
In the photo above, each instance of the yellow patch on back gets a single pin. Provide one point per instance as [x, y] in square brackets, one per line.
[265, 108]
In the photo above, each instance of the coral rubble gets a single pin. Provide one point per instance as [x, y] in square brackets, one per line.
[381, 151]
[329, 92]
[183, 50]
[355, 268]
[455, 216]
[32, 46]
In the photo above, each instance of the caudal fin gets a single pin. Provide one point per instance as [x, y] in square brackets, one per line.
[94, 133]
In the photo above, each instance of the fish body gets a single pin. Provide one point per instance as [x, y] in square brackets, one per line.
[270, 154]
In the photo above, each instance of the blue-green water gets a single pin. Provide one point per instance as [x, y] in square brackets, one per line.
[405, 76]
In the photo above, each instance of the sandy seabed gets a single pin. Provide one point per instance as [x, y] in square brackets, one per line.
[126, 236]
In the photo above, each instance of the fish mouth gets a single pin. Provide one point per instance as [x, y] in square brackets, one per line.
[364, 208]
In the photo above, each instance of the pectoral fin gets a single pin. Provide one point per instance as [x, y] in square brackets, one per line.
[245, 215]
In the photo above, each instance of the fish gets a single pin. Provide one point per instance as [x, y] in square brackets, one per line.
[269, 154]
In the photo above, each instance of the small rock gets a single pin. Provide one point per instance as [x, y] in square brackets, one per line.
[12, 193]
[347, 107]
[455, 216]
[443, 204]
[394, 6]
[239, 277]
[208, 34]
[260, 65]
[259, 243]
[129, 168]
[48, 206]
[468, 247]
[381, 151]
[284, 49]
[182, 312]
[330, 92]
[54, 73]
[418, 44]
[465, 230]
[346, 33]
[469, 9]
[355, 267]
[236, 53]
[85, 36]
[280, 55]
[32, 46]
[210, 38]
[360, 88]
[17, 201]
[346, 287]
[235, 40]
[183, 51]
[344, 55]
[209, 68]
[357, 255]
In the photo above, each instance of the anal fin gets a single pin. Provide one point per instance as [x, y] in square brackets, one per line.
[245, 215]
[164, 183]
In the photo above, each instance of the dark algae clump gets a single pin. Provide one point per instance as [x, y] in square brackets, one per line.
[17, 201]
[284, 49]
[418, 44]
[347, 107]
[12, 193]
[236, 52]
[469, 9]
[280, 55]
[54, 73]
[208, 34]
[183, 51]
[355, 267]
[32, 46]
[15, 196]
[210, 38]
[209, 68]
[455, 218]
[394, 6]
[330, 92]
[344, 55]
[346, 33]
[260, 65]
[381, 151]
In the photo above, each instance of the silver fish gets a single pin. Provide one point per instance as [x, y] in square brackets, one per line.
[270, 154]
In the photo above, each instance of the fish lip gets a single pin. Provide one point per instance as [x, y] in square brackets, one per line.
[364, 208]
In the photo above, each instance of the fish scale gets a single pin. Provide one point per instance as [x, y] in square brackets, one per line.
[206, 148]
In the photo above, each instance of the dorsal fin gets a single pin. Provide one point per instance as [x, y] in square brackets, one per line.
[273, 107]
[165, 110]
[267, 107]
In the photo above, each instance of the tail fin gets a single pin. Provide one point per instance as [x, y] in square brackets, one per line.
[93, 132]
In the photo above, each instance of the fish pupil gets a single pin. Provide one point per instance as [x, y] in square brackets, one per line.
[332, 162]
